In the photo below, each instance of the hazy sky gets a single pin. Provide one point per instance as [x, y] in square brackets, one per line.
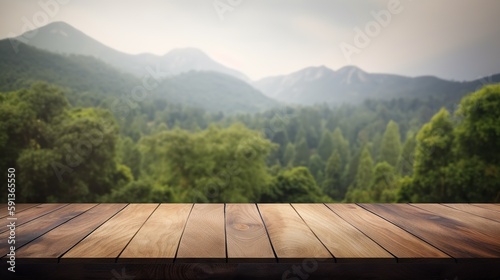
[453, 39]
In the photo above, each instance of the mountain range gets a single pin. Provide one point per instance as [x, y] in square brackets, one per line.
[61, 54]
[62, 38]
[100, 83]
[351, 84]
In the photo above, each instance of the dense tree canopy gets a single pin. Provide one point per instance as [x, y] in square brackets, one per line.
[62, 154]
[459, 162]
[87, 150]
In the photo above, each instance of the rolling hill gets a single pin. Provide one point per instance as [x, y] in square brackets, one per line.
[212, 91]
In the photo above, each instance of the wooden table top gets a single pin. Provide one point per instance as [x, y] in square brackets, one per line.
[254, 233]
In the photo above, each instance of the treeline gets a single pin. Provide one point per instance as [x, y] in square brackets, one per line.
[379, 151]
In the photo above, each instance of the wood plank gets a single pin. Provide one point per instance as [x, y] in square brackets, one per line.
[480, 224]
[473, 222]
[158, 239]
[32, 230]
[50, 246]
[247, 239]
[18, 208]
[291, 238]
[203, 239]
[345, 242]
[108, 241]
[403, 245]
[451, 236]
[34, 213]
[490, 206]
[475, 210]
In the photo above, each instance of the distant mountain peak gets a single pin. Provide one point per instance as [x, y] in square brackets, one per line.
[186, 51]
[352, 74]
[181, 60]
[60, 27]
[350, 68]
[61, 37]
[312, 73]
[348, 84]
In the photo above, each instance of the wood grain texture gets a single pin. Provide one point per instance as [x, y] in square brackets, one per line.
[50, 246]
[345, 242]
[18, 208]
[475, 210]
[34, 213]
[139, 236]
[203, 239]
[450, 235]
[473, 222]
[247, 239]
[494, 207]
[34, 229]
[158, 239]
[403, 245]
[291, 238]
[108, 241]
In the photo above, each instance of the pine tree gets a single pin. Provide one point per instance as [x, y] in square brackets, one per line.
[432, 156]
[342, 146]
[325, 147]
[301, 157]
[391, 144]
[364, 175]
[407, 157]
[280, 137]
[384, 188]
[312, 138]
[289, 155]
[359, 191]
[316, 165]
[333, 185]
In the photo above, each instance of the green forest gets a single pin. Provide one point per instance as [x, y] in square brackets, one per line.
[68, 146]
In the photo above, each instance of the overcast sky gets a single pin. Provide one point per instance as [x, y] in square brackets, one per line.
[452, 39]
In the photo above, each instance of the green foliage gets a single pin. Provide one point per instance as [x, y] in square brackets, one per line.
[281, 138]
[301, 155]
[406, 192]
[213, 165]
[130, 155]
[385, 183]
[432, 157]
[80, 73]
[364, 175]
[44, 187]
[478, 132]
[162, 152]
[316, 166]
[391, 144]
[359, 190]
[71, 151]
[326, 145]
[333, 185]
[477, 172]
[141, 191]
[341, 145]
[294, 185]
[289, 154]
[405, 161]
[459, 164]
